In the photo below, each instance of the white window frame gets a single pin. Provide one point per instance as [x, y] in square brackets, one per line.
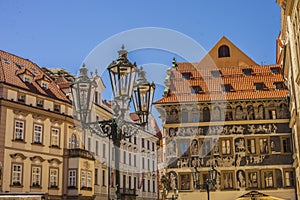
[83, 179]
[53, 179]
[55, 133]
[19, 130]
[38, 134]
[17, 173]
[36, 172]
[72, 177]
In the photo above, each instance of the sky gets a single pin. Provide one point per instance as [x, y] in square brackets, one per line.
[65, 33]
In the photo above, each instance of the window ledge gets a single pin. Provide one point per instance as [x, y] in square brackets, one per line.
[72, 188]
[19, 141]
[53, 188]
[86, 188]
[36, 186]
[37, 144]
[54, 147]
[17, 186]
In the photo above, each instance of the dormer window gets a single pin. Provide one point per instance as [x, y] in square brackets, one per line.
[227, 88]
[216, 73]
[275, 70]
[5, 61]
[26, 78]
[19, 66]
[223, 51]
[247, 72]
[279, 85]
[196, 90]
[34, 70]
[44, 85]
[186, 76]
[259, 86]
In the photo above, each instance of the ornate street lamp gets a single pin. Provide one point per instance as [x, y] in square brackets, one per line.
[122, 76]
[143, 93]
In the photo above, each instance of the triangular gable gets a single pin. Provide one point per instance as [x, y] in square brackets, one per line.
[236, 58]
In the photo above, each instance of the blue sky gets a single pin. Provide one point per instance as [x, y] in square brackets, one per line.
[61, 33]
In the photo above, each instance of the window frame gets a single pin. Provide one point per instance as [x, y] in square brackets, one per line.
[19, 183]
[23, 130]
[72, 180]
[57, 177]
[58, 137]
[221, 147]
[34, 141]
[257, 179]
[232, 179]
[293, 184]
[38, 181]
[263, 181]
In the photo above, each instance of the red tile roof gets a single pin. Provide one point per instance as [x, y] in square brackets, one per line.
[242, 86]
[11, 69]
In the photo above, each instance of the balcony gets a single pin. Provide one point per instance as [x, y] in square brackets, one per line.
[127, 191]
[80, 153]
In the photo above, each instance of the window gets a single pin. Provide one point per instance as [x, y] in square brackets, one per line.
[143, 163]
[186, 76]
[247, 72]
[259, 86]
[44, 85]
[103, 150]
[97, 148]
[227, 180]
[143, 143]
[27, 79]
[225, 146]
[289, 178]
[205, 147]
[227, 88]
[73, 142]
[96, 176]
[124, 157]
[53, 178]
[149, 186]
[134, 183]
[89, 144]
[21, 98]
[37, 134]
[134, 160]
[72, 178]
[206, 114]
[19, 130]
[275, 70]
[279, 85]
[113, 153]
[153, 165]
[196, 89]
[129, 182]
[103, 177]
[253, 179]
[184, 115]
[19, 66]
[153, 146]
[83, 179]
[216, 73]
[264, 145]
[185, 181]
[148, 164]
[183, 148]
[153, 185]
[272, 114]
[251, 149]
[5, 61]
[96, 97]
[148, 144]
[286, 145]
[55, 137]
[134, 140]
[223, 51]
[36, 176]
[268, 179]
[129, 159]
[39, 103]
[56, 108]
[17, 171]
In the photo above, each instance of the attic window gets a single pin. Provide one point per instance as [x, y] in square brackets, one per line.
[39, 103]
[27, 79]
[223, 51]
[34, 70]
[275, 70]
[21, 98]
[216, 73]
[186, 75]
[196, 90]
[5, 61]
[279, 85]
[19, 66]
[247, 72]
[259, 86]
[56, 108]
[44, 85]
[227, 88]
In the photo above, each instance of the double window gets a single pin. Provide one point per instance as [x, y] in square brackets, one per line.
[72, 176]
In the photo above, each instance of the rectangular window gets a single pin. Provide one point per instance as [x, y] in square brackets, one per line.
[143, 143]
[286, 145]
[129, 159]
[89, 180]
[96, 97]
[56, 108]
[113, 153]
[196, 89]
[264, 145]
[39, 103]
[83, 179]
[205, 147]
[149, 186]
[104, 150]
[184, 148]
[153, 146]
[129, 182]
[72, 178]
[227, 88]
[17, 171]
[134, 140]
[103, 177]
[185, 116]
[251, 149]
[19, 130]
[96, 176]
[227, 180]
[252, 178]
[134, 160]
[53, 178]
[21, 98]
[36, 176]
[289, 178]
[124, 157]
[185, 181]
[37, 134]
[225, 146]
[148, 164]
[143, 163]
[153, 185]
[186, 76]
[153, 165]
[195, 117]
[97, 148]
[148, 144]
[134, 183]
[216, 73]
[259, 86]
[247, 71]
[268, 179]
[55, 137]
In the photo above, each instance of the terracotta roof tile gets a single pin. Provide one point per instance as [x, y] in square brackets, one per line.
[11, 69]
[243, 86]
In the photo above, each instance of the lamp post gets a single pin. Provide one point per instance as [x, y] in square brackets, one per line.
[209, 182]
[122, 75]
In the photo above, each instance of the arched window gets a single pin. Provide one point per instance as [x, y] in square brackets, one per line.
[206, 114]
[224, 51]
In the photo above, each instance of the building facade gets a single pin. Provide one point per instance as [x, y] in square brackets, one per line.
[228, 112]
[288, 54]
